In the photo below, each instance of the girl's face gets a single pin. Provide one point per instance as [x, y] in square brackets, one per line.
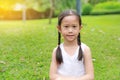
[69, 28]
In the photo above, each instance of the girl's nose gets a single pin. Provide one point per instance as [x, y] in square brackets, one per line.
[70, 29]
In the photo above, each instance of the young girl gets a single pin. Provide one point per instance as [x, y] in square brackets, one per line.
[71, 60]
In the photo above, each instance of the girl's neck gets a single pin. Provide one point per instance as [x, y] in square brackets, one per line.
[70, 44]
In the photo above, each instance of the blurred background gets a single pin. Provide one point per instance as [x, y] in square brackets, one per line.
[37, 9]
[28, 35]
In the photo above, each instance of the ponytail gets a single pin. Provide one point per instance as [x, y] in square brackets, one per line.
[80, 54]
[58, 51]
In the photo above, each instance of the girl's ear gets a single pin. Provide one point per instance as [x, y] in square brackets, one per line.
[81, 27]
[59, 28]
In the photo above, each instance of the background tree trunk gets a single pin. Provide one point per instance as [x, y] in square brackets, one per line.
[51, 11]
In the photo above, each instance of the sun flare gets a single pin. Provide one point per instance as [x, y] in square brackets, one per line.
[6, 4]
[18, 7]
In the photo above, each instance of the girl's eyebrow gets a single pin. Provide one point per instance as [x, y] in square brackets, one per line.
[65, 24]
[70, 25]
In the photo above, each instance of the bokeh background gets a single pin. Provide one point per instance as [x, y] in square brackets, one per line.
[28, 35]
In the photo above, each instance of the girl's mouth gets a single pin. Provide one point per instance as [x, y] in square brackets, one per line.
[70, 35]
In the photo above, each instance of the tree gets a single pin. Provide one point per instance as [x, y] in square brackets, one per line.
[51, 10]
[61, 5]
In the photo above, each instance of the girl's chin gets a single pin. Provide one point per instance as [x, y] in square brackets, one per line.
[70, 39]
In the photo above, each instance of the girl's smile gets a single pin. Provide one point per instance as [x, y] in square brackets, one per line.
[70, 37]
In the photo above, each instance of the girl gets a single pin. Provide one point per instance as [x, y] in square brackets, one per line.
[71, 60]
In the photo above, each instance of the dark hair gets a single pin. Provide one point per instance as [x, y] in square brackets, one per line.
[58, 51]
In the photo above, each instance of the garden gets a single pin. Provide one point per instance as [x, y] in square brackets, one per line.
[26, 48]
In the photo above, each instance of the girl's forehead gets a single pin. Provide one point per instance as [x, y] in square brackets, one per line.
[70, 18]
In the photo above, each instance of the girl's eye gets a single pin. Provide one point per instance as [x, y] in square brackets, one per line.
[74, 26]
[66, 26]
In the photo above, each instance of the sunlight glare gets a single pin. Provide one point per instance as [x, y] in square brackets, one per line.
[18, 7]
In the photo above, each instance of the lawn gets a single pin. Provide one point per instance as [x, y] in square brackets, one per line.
[26, 47]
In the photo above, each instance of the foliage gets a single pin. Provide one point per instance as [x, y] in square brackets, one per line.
[61, 5]
[26, 48]
[41, 5]
[93, 2]
[87, 8]
[106, 8]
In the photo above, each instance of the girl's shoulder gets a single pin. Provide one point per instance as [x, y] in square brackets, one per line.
[54, 50]
[83, 44]
[85, 47]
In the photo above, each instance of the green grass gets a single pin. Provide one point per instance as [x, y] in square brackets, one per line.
[26, 48]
